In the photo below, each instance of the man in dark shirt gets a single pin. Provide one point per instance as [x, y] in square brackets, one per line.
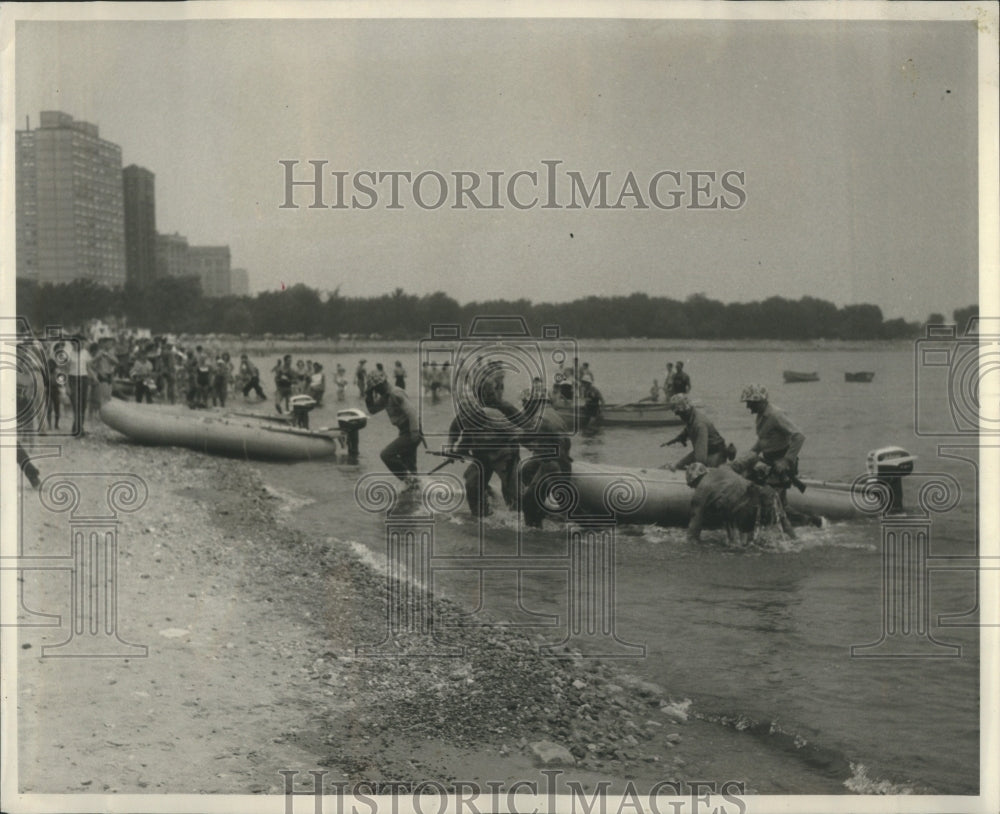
[591, 403]
[400, 455]
[681, 381]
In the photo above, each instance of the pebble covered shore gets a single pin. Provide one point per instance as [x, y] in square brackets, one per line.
[252, 628]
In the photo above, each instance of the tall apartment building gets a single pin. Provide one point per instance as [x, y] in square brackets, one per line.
[172, 256]
[239, 283]
[138, 185]
[70, 212]
[212, 265]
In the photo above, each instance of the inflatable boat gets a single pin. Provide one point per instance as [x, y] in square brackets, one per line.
[661, 497]
[221, 434]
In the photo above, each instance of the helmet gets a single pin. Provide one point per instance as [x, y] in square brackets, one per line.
[754, 392]
[375, 378]
[694, 472]
[681, 403]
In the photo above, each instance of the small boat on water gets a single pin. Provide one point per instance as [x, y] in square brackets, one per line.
[861, 376]
[792, 376]
[222, 434]
[635, 414]
[631, 414]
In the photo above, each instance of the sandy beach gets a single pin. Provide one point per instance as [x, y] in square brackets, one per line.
[251, 628]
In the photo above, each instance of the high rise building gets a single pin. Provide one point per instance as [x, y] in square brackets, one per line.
[70, 213]
[172, 256]
[138, 186]
[239, 283]
[212, 265]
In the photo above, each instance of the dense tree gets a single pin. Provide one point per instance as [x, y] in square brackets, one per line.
[177, 305]
[963, 316]
[860, 322]
[167, 305]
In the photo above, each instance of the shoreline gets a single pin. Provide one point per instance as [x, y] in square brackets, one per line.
[252, 626]
[278, 346]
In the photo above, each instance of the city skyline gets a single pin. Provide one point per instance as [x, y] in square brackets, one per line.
[856, 143]
[82, 215]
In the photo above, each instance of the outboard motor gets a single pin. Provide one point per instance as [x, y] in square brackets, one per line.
[351, 421]
[301, 405]
[888, 465]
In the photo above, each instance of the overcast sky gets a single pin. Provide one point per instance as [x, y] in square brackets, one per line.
[857, 141]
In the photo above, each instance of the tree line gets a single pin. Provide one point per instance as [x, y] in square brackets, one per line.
[177, 305]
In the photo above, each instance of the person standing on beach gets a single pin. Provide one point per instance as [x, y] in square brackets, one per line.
[78, 382]
[191, 377]
[399, 374]
[56, 383]
[142, 377]
[103, 365]
[251, 378]
[400, 455]
[167, 380]
[221, 376]
[203, 377]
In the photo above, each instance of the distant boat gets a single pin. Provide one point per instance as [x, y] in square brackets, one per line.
[860, 376]
[794, 376]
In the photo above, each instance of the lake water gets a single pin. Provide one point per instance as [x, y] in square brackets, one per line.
[760, 640]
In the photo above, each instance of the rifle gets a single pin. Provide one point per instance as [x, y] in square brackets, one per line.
[450, 458]
[680, 438]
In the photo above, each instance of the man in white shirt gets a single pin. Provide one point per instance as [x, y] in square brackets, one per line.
[78, 380]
